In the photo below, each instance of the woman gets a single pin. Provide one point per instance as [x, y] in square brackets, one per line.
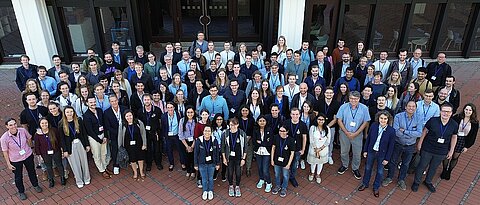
[177, 85]
[247, 124]
[327, 57]
[319, 135]
[75, 145]
[392, 98]
[378, 152]
[122, 95]
[44, 98]
[166, 95]
[395, 80]
[255, 103]
[262, 146]
[218, 127]
[199, 126]
[256, 83]
[234, 155]
[359, 52]
[81, 103]
[206, 160]
[262, 55]
[229, 67]
[152, 67]
[124, 84]
[82, 81]
[411, 94]
[54, 116]
[200, 59]
[467, 133]
[342, 96]
[266, 92]
[307, 116]
[370, 57]
[282, 101]
[318, 92]
[280, 48]
[185, 135]
[32, 86]
[241, 54]
[222, 81]
[132, 136]
[283, 149]
[180, 102]
[47, 144]
[369, 77]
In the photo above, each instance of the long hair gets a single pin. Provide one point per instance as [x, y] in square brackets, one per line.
[214, 124]
[324, 126]
[27, 89]
[185, 119]
[259, 100]
[397, 82]
[65, 127]
[473, 118]
[52, 136]
[268, 92]
[125, 123]
[386, 113]
[339, 94]
[218, 81]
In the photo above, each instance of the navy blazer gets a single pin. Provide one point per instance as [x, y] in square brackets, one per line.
[385, 148]
[165, 122]
[92, 124]
[327, 70]
[296, 100]
[111, 122]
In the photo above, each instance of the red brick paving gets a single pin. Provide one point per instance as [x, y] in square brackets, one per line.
[172, 187]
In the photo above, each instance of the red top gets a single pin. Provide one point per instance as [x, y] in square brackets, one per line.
[198, 130]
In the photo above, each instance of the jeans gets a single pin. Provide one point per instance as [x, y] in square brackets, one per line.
[154, 151]
[264, 168]
[406, 152]
[234, 166]
[371, 158]
[432, 161]
[330, 146]
[171, 142]
[293, 167]
[345, 144]
[281, 176]
[49, 159]
[206, 171]
[18, 172]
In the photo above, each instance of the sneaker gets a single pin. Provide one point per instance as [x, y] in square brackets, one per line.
[231, 192]
[386, 181]
[210, 195]
[283, 192]
[319, 180]
[330, 160]
[22, 196]
[310, 177]
[87, 183]
[116, 170]
[80, 186]
[66, 173]
[199, 184]
[276, 190]
[357, 174]
[38, 189]
[401, 184]
[260, 184]
[342, 170]
[205, 195]
[430, 187]
[302, 164]
[414, 187]
[224, 179]
[268, 188]
[238, 193]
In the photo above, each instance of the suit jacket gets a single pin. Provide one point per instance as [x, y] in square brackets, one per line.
[327, 72]
[285, 111]
[51, 71]
[123, 58]
[92, 124]
[153, 121]
[406, 74]
[164, 122]
[135, 102]
[385, 148]
[337, 71]
[192, 97]
[111, 122]
[296, 100]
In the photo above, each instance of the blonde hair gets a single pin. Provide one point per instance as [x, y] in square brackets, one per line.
[65, 127]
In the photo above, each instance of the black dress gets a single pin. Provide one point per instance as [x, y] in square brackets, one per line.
[135, 152]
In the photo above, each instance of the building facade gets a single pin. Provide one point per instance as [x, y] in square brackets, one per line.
[41, 28]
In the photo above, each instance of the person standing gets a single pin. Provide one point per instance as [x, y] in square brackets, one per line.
[298, 130]
[113, 120]
[283, 152]
[185, 135]
[132, 136]
[320, 137]
[262, 146]
[25, 72]
[234, 153]
[437, 72]
[16, 143]
[206, 159]
[170, 127]
[150, 115]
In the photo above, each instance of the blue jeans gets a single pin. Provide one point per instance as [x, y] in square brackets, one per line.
[174, 141]
[293, 167]
[371, 158]
[206, 170]
[432, 161]
[281, 176]
[406, 152]
[264, 168]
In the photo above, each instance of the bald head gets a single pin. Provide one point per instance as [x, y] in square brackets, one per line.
[303, 88]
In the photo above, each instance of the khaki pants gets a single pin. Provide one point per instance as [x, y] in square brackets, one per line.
[99, 153]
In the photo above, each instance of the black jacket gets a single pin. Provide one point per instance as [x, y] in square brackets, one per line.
[92, 124]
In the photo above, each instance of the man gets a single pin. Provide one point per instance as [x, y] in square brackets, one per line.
[438, 71]
[453, 95]
[170, 127]
[337, 53]
[352, 82]
[288, 59]
[422, 81]
[113, 119]
[235, 98]
[110, 66]
[191, 79]
[226, 54]
[341, 67]
[73, 76]
[248, 68]
[90, 55]
[184, 64]
[64, 78]
[118, 56]
[214, 103]
[168, 52]
[368, 100]
[150, 116]
[93, 77]
[292, 88]
[314, 79]
[199, 43]
[441, 98]
[106, 85]
[361, 72]
[273, 59]
[30, 116]
[94, 125]
[408, 127]
[301, 97]
[297, 130]
[307, 55]
[283, 152]
[140, 76]
[129, 71]
[171, 68]
[140, 56]
[416, 61]
[381, 106]
[324, 68]
[100, 97]
[57, 68]
[163, 78]
[297, 68]
[329, 107]
[16, 147]
[25, 72]
[403, 67]
[240, 77]
[136, 101]
[259, 63]
[210, 53]
[383, 64]
[65, 97]
[177, 53]
[274, 119]
[46, 82]
[438, 141]
[353, 118]
[274, 77]
[195, 96]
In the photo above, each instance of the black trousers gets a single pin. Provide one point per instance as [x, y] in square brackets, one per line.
[50, 159]
[234, 166]
[154, 150]
[114, 151]
[18, 172]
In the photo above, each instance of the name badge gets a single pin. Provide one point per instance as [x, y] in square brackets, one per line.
[100, 136]
[170, 133]
[132, 142]
[76, 141]
[232, 110]
[461, 134]
[147, 127]
[353, 124]
[100, 129]
[190, 139]
[296, 77]
[298, 132]
[212, 115]
[50, 152]
[441, 140]
[280, 159]
[208, 158]
[433, 77]
[232, 153]
[156, 78]
[22, 152]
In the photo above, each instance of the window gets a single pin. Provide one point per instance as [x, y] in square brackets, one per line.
[10, 34]
[80, 29]
[454, 26]
[387, 27]
[356, 24]
[421, 28]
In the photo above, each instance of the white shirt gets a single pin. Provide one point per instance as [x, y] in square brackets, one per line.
[383, 67]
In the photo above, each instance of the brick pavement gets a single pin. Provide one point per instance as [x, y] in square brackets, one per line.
[172, 187]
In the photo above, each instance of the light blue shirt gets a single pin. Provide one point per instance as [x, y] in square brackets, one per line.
[261, 67]
[105, 104]
[353, 118]
[412, 128]
[427, 111]
[218, 105]
[275, 80]
[307, 56]
[379, 137]
[49, 84]
[173, 124]
[173, 89]
[183, 67]
[416, 65]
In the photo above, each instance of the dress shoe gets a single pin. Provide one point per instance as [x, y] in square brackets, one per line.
[361, 187]
[376, 193]
[63, 181]
[51, 183]
[106, 175]
[109, 172]
[149, 168]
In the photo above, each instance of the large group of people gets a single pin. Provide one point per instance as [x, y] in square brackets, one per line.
[222, 110]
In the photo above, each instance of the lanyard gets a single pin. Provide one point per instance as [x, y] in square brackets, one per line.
[296, 68]
[191, 127]
[406, 121]
[282, 145]
[381, 130]
[171, 122]
[48, 140]
[207, 144]
[425, 112]
[443, 129]
[35, 117]
[291, 92]
[131, 129]
[464, 124]
[276, 122]
[234, 141]
[437, 69]
[274, 80]
[351, 111]
[19, 143]
[245, 124]
[294, 130]
[72, 131]
[148, 118]
[326, 107]
[306, 120]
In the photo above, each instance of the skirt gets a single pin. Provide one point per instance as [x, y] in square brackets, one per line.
[460, 144]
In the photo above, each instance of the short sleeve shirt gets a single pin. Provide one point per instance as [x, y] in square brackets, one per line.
[296, 131]
[353, 118]
[437, 140]
[283, 149]
[15, 144]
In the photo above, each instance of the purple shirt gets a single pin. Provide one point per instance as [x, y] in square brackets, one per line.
[14, 144]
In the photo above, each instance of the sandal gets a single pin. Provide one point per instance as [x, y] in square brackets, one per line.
[135, 178]
[142, 178]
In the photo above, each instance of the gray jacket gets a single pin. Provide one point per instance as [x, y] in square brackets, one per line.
[122, 129]
[226, 142]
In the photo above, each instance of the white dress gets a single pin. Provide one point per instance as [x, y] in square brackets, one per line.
[317, 140]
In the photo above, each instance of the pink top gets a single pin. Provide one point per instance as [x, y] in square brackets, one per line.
[15, 144]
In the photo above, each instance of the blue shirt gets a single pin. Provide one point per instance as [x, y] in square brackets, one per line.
[173, 89]
[49, 84]
[275, 80]
[183, 67]
[172, 124]
[427, 111]
[379, 137]
[353, 119]
[261, 67]
[438, 138]
[412, 128]
[219, 105]
[105, 104]
[307, 56]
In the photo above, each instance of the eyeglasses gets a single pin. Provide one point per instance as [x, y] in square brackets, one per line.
[219, 119]
[321, 119]
[282, 130]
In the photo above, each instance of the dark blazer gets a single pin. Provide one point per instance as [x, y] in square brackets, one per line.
[296, 100]
[267, 139]
[22, 76]
[71, 78]
[406, 74]
[147, 82]
[111, 122]
[165, 125]
[327, 73]
[472, 135]
[123, 58]
[439, 71]
[385, 148]
[66, 141]
[285, 111]
[192, 97]
[92, 124]
[51, 71]
[135, 102]
[153, 121]
[123, 100]
[337, 71]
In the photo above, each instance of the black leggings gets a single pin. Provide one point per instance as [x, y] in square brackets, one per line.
[189, 159]
[234, 166]
[449, 164]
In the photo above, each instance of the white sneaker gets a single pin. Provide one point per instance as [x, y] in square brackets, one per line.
[204, 195]
[260, 184]
[66, 172]
[116, 170]
[210, 195]
[87, 183]
[302, 164]
[330, 160]
[80, 186]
